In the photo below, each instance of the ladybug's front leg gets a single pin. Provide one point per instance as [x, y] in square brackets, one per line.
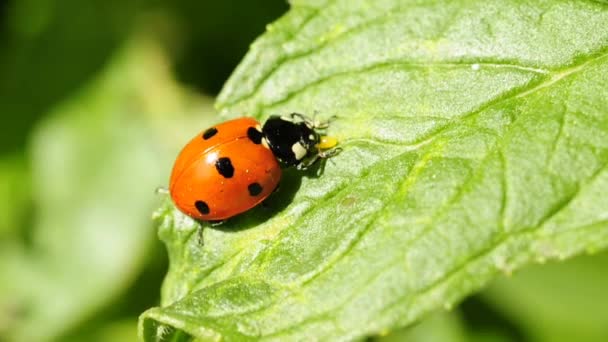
[323, 124]
[312, 123]
[308, 162]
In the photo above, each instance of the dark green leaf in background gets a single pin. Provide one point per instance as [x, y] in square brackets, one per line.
[14, 189]
[215, 35]
[439, 327]
[49, 49]
[557, 302]
[475, 138]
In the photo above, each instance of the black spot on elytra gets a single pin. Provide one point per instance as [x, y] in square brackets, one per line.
[224, 167]
[254, 189]
[254, 135]
[209, 133]
[202, 207]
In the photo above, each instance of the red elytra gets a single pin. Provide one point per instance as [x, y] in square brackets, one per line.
[224, 171]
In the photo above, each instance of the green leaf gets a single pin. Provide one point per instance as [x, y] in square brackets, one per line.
[475, 137]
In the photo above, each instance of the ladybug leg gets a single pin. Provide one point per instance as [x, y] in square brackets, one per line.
[312, 122]
[325, 123]
[318, 124]
[330, 153]
[327, 154]
[216, 223]
[305, 164]
[201, 240]
[300, 117]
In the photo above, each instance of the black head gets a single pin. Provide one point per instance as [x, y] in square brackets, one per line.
[291, 140]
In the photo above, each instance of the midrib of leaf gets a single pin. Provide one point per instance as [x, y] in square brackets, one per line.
[558, 75]
[546, 78]
[404, 65]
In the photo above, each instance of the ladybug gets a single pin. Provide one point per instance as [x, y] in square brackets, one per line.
[232, 167]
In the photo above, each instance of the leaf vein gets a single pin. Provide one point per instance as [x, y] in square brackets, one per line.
[405, 65]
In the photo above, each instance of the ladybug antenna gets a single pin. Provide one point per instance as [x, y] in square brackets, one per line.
[161, 190]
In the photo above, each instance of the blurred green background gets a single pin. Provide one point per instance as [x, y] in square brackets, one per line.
[96, 99]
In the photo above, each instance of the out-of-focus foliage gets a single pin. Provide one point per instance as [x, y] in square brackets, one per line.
[49, 49]
[95, 161]
[437, 327]
[551, 302]
[557, 302]
[92, 119]
[14, 190]
[96, 98]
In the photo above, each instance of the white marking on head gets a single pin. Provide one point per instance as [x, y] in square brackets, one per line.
[311, 137]
[299, 151]
[265, 143]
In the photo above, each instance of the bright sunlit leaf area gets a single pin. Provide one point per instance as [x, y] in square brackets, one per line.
[468, 203]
